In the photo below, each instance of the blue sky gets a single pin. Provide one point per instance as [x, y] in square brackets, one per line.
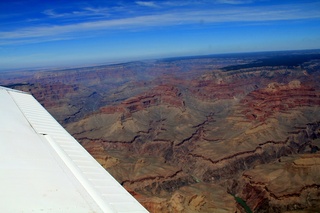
[61, 33]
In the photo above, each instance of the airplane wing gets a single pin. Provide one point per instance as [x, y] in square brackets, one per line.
[44, 169]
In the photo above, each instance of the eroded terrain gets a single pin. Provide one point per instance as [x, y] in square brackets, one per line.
[197, 134]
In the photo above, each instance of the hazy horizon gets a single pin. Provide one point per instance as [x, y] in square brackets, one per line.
[124, 61]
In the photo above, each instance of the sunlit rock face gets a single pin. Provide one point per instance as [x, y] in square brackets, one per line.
[197, 135]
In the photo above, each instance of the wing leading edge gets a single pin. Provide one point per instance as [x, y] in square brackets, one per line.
[43, 168]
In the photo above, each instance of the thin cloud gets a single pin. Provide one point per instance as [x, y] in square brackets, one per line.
[234, 15]
[85, 12]
[97, 10]
[234, 2]
[147, 4]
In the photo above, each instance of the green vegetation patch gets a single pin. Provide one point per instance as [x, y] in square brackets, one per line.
[242, 203]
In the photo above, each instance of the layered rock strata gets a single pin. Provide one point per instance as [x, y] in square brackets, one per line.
[185, 136]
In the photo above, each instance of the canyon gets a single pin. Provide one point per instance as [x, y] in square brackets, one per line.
[229, 133]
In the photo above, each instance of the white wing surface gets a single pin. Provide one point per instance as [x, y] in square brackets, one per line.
[44, 169]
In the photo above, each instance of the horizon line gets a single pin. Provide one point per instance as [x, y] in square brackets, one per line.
[125, 61]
